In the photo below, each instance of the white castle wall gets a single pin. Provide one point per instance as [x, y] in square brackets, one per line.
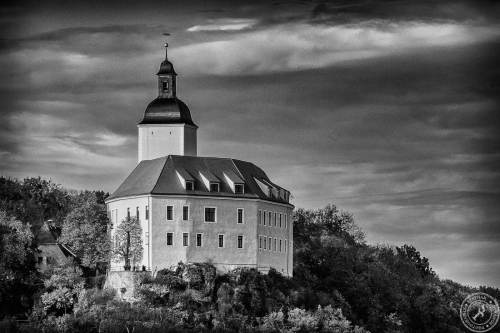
[159, 255]
[160, 140]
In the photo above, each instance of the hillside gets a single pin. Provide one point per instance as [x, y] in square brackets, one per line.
[340, 283]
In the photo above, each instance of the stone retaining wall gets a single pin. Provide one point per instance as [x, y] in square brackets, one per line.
[125, 283]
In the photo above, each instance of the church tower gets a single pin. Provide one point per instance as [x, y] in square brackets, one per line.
[167, 127]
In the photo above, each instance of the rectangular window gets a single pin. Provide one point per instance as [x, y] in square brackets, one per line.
[275, 218]
[264, 217]
[165, 86]
[286, 245]
[260, 242]
[170, 213]
[210, 214]
[281, 248]
[185, 213]
[275, 245]
[221, 240]
[286, 220]
[189, 185]
[185, 239]
[128, 213]
[265, 242]
[146, 236]
[269, 217]
[280, 219]
[259, 215]
[146, 213]
[199, 238]
[170, 238]
[137, 212]
[214, 187]
[239, 188]
[240, 241]
[240, 215]
[269, 243]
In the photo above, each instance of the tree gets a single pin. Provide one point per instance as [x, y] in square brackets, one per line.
[326, 227]
[410, 253]
[128, 242]
[62, 289]
[85, 230]
[34, 200]
[18, 276]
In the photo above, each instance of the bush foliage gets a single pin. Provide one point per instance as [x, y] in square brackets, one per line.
[340, 283]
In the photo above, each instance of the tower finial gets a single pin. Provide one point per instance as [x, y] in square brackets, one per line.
[166, 34]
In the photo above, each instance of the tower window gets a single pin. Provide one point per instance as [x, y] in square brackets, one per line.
[240, 241]
[165, 86]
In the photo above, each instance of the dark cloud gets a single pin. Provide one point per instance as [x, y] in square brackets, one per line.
[387, 108]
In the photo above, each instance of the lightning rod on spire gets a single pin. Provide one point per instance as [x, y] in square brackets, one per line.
[166, 34]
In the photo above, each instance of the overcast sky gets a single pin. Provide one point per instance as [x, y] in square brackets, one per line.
[388, 109]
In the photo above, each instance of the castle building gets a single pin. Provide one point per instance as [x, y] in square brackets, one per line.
[198, 209]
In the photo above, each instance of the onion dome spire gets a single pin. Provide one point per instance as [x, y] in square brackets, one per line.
[166, 66]
[167, 108]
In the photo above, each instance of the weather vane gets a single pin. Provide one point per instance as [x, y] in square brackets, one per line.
[166, 34]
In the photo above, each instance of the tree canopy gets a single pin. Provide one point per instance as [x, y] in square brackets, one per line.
[128, 242]
[85, 229]
[18, 275]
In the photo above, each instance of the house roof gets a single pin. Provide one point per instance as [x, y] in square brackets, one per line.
[159, 176]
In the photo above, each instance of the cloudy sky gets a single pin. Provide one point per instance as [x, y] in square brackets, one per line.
[388, 109]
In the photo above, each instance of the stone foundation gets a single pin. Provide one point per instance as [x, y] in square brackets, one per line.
[125, 283]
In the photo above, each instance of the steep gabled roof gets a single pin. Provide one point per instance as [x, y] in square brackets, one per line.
[159, 176]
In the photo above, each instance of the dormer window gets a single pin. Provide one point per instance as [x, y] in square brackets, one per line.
[211, 182]
[239, 188]
[185, 178]
[235, 181]
[214, 187]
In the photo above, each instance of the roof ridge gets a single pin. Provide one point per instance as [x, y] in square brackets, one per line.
[237, 169]
[161, 172]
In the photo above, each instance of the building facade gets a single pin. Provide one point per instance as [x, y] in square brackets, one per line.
[199, 209]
